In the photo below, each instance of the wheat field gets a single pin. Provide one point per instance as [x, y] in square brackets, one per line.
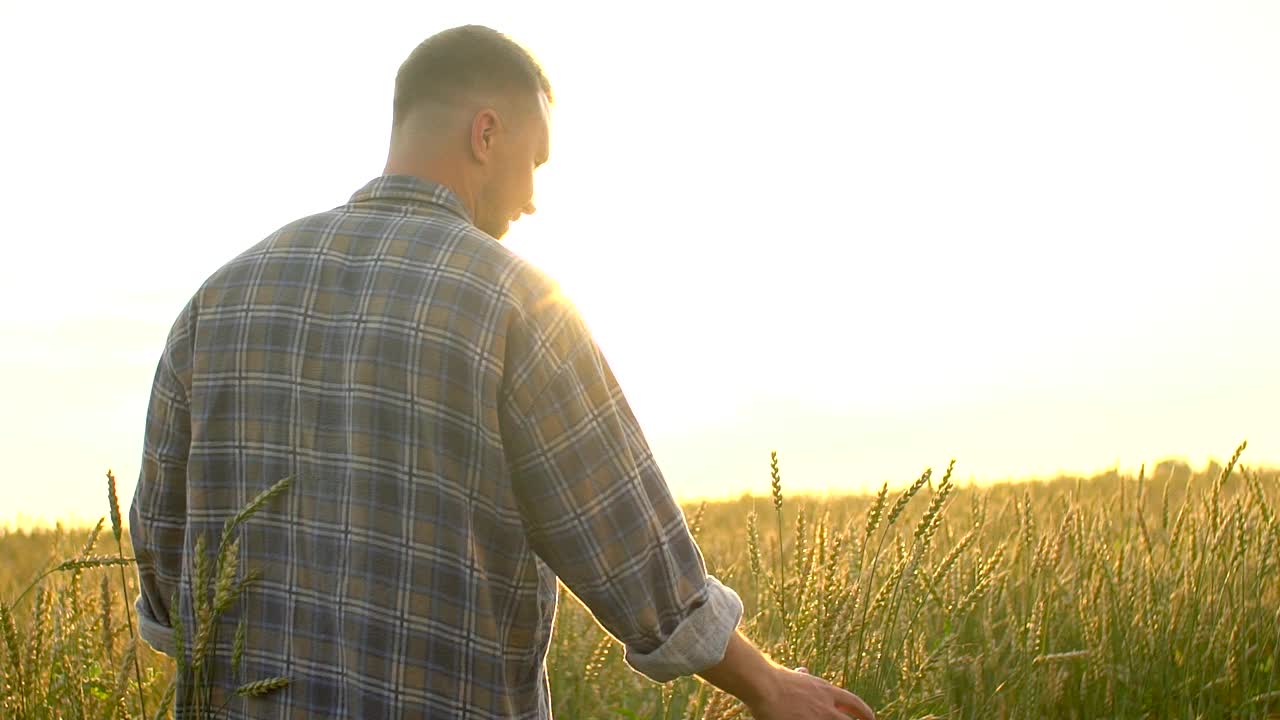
[1153, 596]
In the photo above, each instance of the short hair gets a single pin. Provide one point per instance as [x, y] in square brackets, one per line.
[452, 63]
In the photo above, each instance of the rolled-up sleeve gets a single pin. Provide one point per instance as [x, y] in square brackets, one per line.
[157, 515]
[698, 642]
[597, 509]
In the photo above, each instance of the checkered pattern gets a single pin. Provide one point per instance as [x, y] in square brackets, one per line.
[458, 443]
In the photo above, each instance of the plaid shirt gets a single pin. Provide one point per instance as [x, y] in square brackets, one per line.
[457, 443]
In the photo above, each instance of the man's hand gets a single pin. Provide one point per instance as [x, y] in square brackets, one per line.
[797, 695]
[773, 692]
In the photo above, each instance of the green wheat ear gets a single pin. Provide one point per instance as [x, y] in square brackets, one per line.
[11, 642]
[254, 506]
[776, 483]
[753, 544]
[875, 513]
[901, 503]
[237, 647]
[93, 561]
[258, 688]
[114, 503]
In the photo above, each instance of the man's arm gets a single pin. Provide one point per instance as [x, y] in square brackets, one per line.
[157, 516]
[595, 507]
[598, 512]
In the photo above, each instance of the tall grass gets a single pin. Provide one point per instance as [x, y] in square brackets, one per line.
[1147, 597]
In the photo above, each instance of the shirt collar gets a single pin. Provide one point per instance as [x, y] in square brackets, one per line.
[410, 190]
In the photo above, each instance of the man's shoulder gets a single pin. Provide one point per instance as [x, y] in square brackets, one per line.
[426, 243]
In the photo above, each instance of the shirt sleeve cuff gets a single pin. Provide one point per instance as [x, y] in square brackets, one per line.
[698, 642]
[157, 636]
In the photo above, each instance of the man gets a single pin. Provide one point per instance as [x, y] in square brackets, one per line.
[457, 441]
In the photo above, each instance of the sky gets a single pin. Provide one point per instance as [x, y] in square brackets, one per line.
[1038, 238]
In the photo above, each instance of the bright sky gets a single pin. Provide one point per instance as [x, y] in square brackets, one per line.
[1037, 237]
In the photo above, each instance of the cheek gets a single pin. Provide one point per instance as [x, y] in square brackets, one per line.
[522, 175]
[515, 185]
[520, 188]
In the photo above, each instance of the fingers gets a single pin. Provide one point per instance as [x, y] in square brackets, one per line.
[850, 704]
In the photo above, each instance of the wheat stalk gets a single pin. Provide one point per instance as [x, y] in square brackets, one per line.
[117, 530]
[780, 596]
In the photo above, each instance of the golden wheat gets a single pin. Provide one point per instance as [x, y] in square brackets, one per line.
[1069, 598]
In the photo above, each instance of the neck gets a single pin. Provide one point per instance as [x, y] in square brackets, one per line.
[436, 170]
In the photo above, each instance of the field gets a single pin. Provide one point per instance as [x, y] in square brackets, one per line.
[1128, 597]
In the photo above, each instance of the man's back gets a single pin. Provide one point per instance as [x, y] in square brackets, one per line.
[396, 363]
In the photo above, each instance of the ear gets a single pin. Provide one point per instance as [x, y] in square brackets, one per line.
[485, 127]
